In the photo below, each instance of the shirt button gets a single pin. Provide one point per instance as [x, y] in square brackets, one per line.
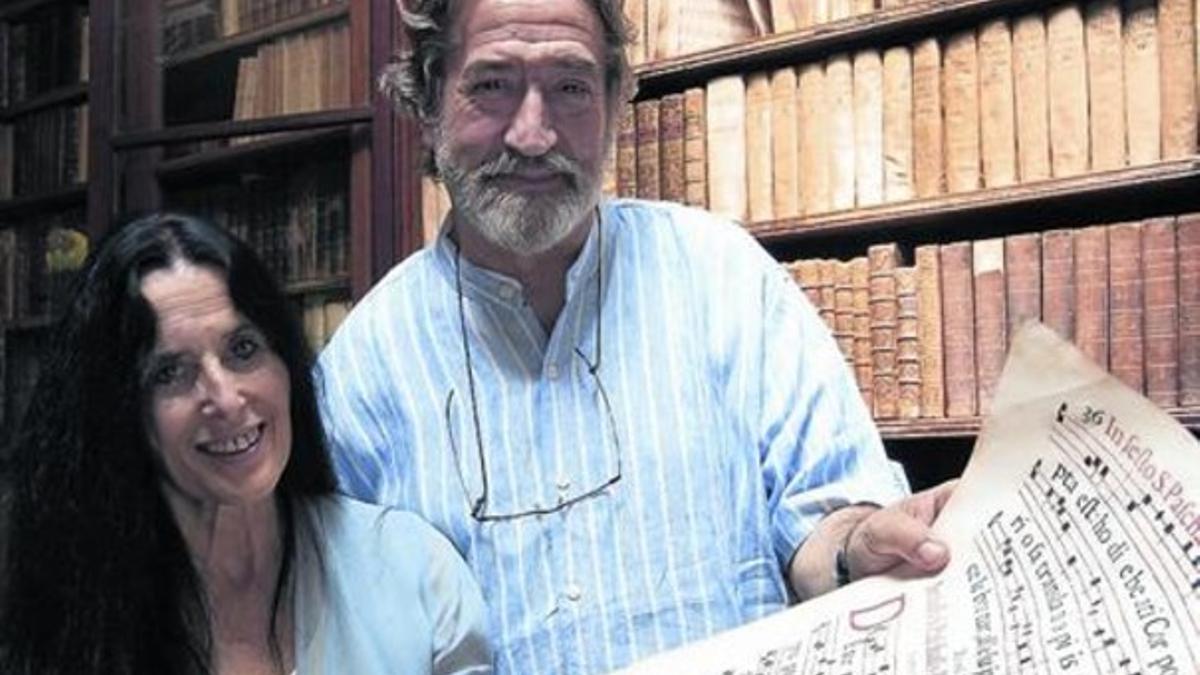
[508, 292]
[552, 371]
[574, 592]
[563, 483]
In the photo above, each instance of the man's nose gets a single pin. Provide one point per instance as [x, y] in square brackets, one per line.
[530, 132]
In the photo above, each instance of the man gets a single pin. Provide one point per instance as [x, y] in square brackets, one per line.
[625, 415]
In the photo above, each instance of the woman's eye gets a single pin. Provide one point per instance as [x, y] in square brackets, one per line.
[244, 347]
[166, 375]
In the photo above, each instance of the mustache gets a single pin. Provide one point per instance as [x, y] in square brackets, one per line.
[509, 162]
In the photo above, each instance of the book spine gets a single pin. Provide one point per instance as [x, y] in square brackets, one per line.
[671, 146]
[1091, 293]
[725, 98]
[883, 260]
[1160, 270]
[1106, 85]
[929, 175]
[1188, 243]
[1143, 94]
[1058, 282]
[897, 125]
[648, 153]
[868, 128]
[908, 345]
[1126, 341]
[695, 152]
[990, 318]
[958, 329]
[860, 276]
[929, 331]
[997, 105]
[1178, 56]
[814, 141]
[1023, 276]
[627, 152]
[1067, 77]
[961, 86]
[759, 180]
[1032, 97]
[785, 161]
[839, 90]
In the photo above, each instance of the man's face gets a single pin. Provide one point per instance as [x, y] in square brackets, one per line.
[522, 134]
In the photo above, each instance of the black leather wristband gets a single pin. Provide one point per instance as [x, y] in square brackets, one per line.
[841, 559]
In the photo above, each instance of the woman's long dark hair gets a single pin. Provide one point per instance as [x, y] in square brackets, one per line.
[97, 576]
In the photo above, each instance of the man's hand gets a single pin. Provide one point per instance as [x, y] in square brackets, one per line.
[875, 540]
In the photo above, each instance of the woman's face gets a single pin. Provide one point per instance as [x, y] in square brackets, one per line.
[217, 395]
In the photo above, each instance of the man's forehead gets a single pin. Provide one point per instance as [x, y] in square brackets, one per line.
[569, 25]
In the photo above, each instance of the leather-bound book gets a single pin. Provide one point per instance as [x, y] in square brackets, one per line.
[990, 317]
[1125, 305]
[695, 153]
[1188, 242]
[958, 329]
[648, 152]
[1091, 293]
[883, 260]
[908, 344]
[671, 152]
[1023, 276]
[1160, 294]
[627, 152]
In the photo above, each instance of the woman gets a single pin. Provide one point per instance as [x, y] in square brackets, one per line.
[174, 509]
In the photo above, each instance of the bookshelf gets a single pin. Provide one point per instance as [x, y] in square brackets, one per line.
[260, 114]
[1066, 117]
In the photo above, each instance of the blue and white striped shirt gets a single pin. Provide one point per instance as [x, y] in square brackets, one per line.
[737, 421]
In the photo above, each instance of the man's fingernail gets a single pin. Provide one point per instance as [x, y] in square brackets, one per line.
[932, 552]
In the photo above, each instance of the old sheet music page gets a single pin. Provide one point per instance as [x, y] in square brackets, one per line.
[1075, 535]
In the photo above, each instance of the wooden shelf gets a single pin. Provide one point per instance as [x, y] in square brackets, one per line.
[75, 195]
[223, 158]
[247, 39]
[901, 218]
[336, 283]
[229, 128]
[878, 29]
[15, 8]
[968, 427]
[71, 93]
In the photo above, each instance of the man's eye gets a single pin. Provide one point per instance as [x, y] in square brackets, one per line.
[491, 86]
[575, 88]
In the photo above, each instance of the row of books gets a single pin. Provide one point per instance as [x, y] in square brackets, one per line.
[299, 226]
[42, 50]
[669, 28]
[44, 151]
[928, 340]
[321, 315]
[1046, 94]
[191, 23]
[37, 261]
[301, 72]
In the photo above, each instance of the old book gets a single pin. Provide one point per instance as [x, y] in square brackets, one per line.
[808, 275]
[929, 174]
[635, 13]
[839, 98]
[1143, 95]
[1160, 303]
[648, 153]
[868, 128]
[960, 82]
[1188, 246]
[1058, 282]
[897, 125]
[958, 329]
[1067, 78]
[785, 159]
[783, 16]
[1023, 279]
[627, 166]
[1125, 305]
[883, 260]
[929, 330]
[1032, 97]
[1091, 293]
[908, 345]
[997, 105]
[1106, 83]
[840, 9]
[704, 24]
[695, 154]
[843, 310]
[990, 317]
[1178, 57]
[725, 101]
[608, 170]
[758, 147]
[653, 26]
[860, 279]
[827, 292]
[815, 144]
[672, 182]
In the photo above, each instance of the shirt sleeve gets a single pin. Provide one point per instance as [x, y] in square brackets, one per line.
[819, 448]
[455, 605]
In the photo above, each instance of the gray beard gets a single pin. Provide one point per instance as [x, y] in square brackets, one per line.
[521, 224]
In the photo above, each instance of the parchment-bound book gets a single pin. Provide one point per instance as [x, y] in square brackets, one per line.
[960, 80]
[839, 92]
[815, 143]
[929, 308]
[725, 101]
[997, 105]
[1067, 68]
[635, 12]
[695, 163]
[883, 260]
[840, 9]
[865, 6]
[1125, 305]
[1178, 56]
[1143, 95]
[783, 16]
[671, 151]
[958, 329]
[785, 144]
[868, 128]
[1160, 276]
[990, 317]
[649, 154]
[897, 125]
[1091, 293]
[1188, 242]
[697, 25]
[759, 180]
[1023, 279]
[929, 169]
[1106, 84]
[1030, 89]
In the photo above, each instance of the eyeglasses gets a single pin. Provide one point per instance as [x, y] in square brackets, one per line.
[479, 505]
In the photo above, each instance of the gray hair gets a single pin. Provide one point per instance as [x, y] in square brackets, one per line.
[415, 78]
